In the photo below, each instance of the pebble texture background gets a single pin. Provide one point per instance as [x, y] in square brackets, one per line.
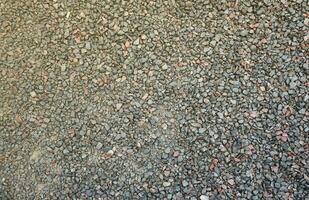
[162, 99]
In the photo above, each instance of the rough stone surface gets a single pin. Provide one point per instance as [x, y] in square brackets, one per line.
[144, 99]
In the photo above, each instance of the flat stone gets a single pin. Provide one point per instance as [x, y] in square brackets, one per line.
[165, 67]
[166, 184]
[33, 94]
[244, 33]
[99, 145]
[204, 197]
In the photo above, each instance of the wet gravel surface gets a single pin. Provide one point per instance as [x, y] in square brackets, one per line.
[162, 99]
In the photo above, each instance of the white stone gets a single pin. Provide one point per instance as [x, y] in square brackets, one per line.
[204, 197]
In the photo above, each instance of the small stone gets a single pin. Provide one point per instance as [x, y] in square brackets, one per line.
[204, 197]
[108, 154]
[33, 94]
[116, 28]
[82, 14]
[275, 168]
[118, 106]
[302, 111]
[202, 130]
[207, 49]
[87, 46]
[165, 67]
[150, 73]
[165, 156]
[254, 114]
[244, 33]
[99, 145]
[166, 173]
[145, 96]
[213, 43]
[166, 184]
[65, 151]
[185, 183]
[233, 101]
[189, 3]
[56, 6]
[164, 126]
[262, 88]
[235, 90]
[231, 181]
[221, 116]
[176, 154]
[82, 133]
[127, 44]
[18, 119]
[63, 68]
[68, 14]
[167, 150]
[293, 84]
[143, 37]
[136, 42]
[35, 155]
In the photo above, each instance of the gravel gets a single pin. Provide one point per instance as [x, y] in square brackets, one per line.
[154, 99]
